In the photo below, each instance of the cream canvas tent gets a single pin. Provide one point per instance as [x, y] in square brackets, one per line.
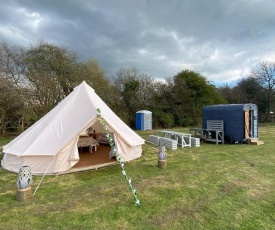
[50, 145]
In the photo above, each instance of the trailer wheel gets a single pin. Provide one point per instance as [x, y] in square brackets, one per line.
[228, 139]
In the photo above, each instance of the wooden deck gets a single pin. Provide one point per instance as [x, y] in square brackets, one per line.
[94, 160]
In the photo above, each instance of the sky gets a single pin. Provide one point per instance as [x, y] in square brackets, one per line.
[220, 39]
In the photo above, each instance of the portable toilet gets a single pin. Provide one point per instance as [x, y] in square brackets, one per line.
[240, 121]
[143, 120]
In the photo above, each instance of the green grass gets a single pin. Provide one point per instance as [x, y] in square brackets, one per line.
[208, 187]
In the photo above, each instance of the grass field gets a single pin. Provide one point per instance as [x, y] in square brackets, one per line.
[208, 187]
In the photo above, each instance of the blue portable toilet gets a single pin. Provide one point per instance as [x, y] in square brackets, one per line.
[240, 121]
[143, 120]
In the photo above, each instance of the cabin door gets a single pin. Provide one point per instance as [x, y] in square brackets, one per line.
[247, 124]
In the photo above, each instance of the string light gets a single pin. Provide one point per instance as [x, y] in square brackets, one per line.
[121, 163]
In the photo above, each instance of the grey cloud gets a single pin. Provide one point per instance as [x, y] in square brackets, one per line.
[220, 39]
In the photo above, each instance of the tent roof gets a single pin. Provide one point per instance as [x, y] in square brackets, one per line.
[64, 122]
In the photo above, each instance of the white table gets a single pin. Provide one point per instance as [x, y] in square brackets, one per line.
[184, 139]
[206, 134]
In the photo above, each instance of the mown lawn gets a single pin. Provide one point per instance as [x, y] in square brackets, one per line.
[208, 187]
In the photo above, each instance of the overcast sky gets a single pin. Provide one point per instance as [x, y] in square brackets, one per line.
[222, 40]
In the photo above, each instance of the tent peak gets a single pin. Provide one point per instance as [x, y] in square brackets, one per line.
[85, 86]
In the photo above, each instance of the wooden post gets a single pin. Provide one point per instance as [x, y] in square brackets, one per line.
[162, 164]
[24, 194]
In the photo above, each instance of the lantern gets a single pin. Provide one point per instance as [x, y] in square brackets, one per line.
[24, 182]
[162, 157]
[24, 179]
[162, 154]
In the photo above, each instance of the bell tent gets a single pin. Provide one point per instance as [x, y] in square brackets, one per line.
[50, 146]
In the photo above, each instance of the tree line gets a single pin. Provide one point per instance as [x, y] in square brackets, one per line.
[35, 79]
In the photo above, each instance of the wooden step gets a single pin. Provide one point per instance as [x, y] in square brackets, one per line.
[256, 142]
[253, 139]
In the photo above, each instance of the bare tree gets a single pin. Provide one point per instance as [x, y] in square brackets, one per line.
[133, 91]
[12, 65]
[100, 83]
[39, 77]
[11, 108]
[264, 73]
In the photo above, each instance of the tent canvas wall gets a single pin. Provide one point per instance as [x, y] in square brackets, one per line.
[50, 145]
[240, 121]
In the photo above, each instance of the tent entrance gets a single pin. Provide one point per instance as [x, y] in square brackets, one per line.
[87, 159]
